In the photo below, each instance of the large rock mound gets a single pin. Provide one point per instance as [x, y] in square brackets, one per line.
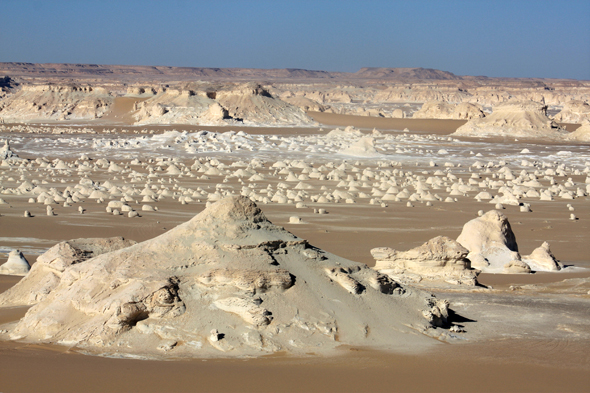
[254, 105]
[524, 119]
[247, 104]
[227, 281]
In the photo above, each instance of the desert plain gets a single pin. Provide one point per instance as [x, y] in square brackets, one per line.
[270, 230]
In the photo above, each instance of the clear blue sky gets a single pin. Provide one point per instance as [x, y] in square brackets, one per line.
[518, 38]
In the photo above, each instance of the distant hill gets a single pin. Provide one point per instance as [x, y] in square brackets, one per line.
[405, 73]
[184, 73]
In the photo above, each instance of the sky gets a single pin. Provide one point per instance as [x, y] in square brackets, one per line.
[496, 38]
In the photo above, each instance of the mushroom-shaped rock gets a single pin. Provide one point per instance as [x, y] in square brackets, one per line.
[16, 265]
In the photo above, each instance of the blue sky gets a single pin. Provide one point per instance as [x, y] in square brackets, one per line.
[516, 38]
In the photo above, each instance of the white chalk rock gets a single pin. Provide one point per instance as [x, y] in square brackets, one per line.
[227, 267]
[48, 270]
[542, 259]
[490, 241]
[16, 265]
[439, 259]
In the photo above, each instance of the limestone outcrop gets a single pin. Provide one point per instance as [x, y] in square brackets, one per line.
[302, 102]
[439, 259]
[445, 110]
[575, 111]
[15, 265]
[582, 134]
[490, 241]
[252, 104]
[6, 152]
[542, 259]
[493, 249]
[226, 283]
[247, 104]
[56, 102]
[524, 119]
[47, 272]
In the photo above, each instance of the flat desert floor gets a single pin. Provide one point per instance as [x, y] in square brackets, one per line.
[528, 333]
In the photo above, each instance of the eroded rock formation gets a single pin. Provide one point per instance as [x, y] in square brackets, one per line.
[514, 119]
[226, 281]
[48, 270]
[492, 247]
[439, 259]
[444, 110]
[15, 265]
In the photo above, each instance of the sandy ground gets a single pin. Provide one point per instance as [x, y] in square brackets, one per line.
[529, 333]
[490, 368]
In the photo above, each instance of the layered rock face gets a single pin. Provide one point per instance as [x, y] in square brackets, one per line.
[439, 259]
[170, 95]
[493, 249]
[228, 282]
[514, 119]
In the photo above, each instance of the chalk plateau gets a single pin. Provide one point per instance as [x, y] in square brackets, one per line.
[227, 283]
